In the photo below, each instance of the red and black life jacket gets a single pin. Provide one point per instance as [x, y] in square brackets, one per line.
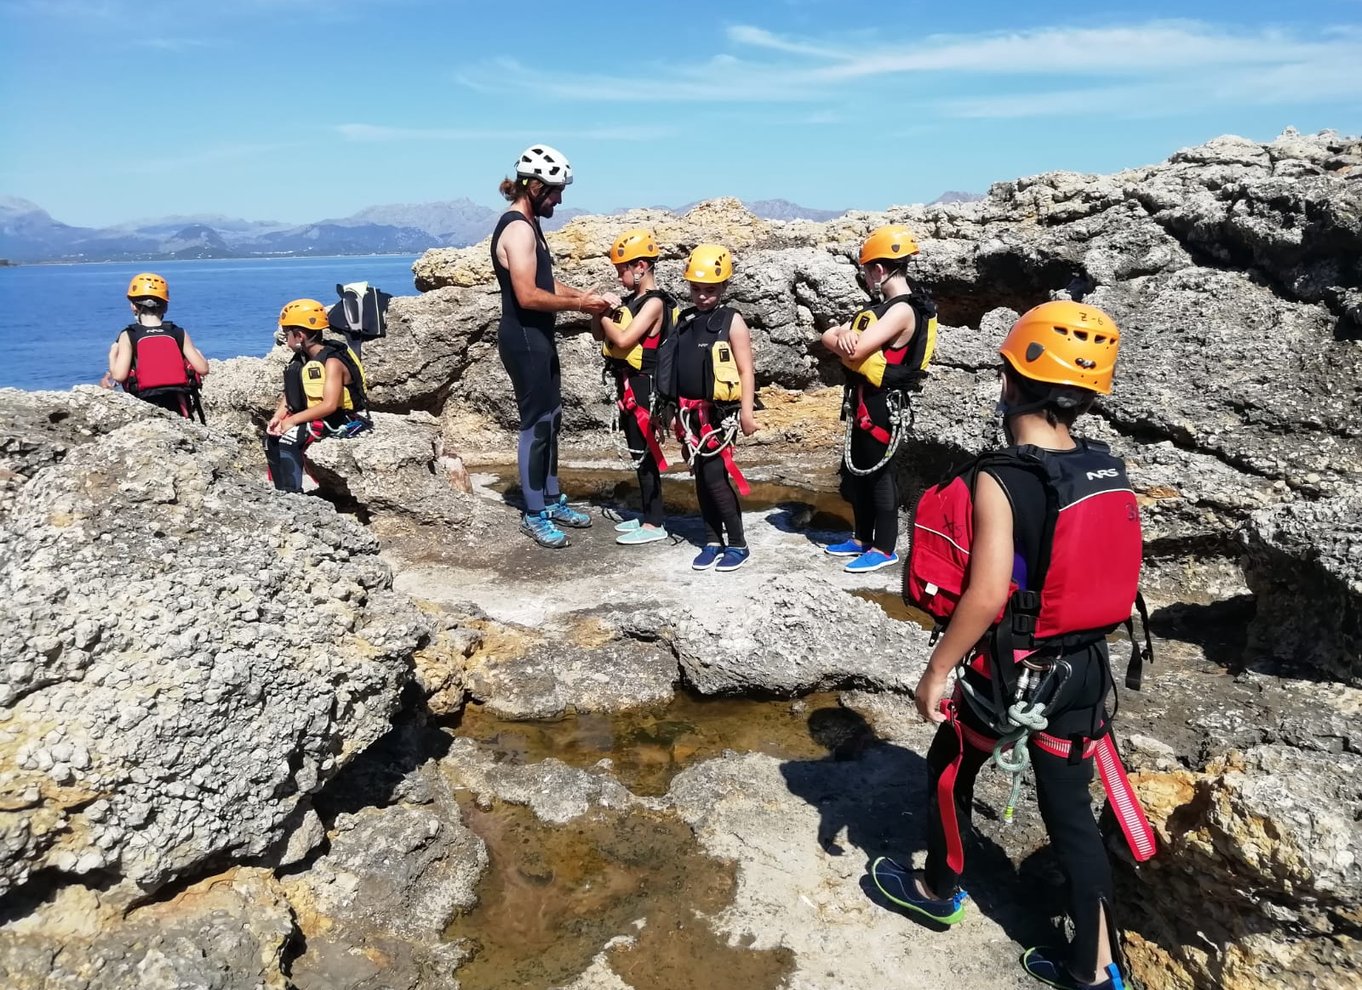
[1086, 582]
[160, 368]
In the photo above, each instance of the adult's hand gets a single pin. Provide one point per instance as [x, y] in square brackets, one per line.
[594, 305]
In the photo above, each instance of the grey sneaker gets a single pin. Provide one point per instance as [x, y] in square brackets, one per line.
[541, 529]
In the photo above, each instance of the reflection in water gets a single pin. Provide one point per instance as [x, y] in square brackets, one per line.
[818, 508]
[647, 747]
[556, 895]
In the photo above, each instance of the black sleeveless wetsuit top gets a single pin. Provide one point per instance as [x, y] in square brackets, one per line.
[514, 318]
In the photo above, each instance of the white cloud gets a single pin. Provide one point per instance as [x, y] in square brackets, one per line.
[1163, 66]
[384, 133]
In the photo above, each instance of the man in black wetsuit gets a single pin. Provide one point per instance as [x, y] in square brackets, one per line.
[530, 298]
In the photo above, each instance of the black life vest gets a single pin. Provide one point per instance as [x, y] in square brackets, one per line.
[1086, 581]
[305, 382]
[698, 357]
[643, 355]
[896, 367]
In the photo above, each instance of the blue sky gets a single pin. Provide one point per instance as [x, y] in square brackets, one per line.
[296, 110]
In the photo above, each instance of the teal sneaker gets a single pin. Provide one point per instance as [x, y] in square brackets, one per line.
[627, 525]
[559, 511]
[733, 558]
[707, 557]
[540, 528]
[871, 560]
[640, 535]
[1045, 966]
[847, 548]
[899, 884]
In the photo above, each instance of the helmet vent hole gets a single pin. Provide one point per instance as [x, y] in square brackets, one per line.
[1081, 334]
[1062, 331]
[1034, 351]
[1087, 363]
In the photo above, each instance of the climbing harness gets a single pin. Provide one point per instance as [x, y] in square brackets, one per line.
[698, 433]
[900, 424]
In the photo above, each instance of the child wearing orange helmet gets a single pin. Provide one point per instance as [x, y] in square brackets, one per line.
[884, 348]
[630, 338]
[1031, 556]
[323, 393]
[153, 358]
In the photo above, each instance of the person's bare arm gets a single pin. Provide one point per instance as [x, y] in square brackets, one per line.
[516, 249]
[988, 581]
[120, 358]
[896, 321]
[740, 337]
[196, 360]
[649, 318]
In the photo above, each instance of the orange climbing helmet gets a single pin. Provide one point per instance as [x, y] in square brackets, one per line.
[303, 314]
[709, 264]
[1064, 343]
[891, 243]
[634, 244]
[148, 285]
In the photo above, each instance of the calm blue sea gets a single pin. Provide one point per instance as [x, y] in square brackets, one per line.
[57, 321]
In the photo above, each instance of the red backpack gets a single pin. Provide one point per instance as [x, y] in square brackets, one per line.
[1084, 586]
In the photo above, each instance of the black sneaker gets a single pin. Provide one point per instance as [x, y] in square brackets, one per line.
[1044, 965]
[899, 884]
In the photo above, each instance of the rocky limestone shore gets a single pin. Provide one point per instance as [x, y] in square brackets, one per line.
[230, 719]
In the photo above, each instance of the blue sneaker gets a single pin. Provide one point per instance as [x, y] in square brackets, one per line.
[1045, 966]
[733, 558]
[627, 525]
[871, 560]
[847, 548]
[707, 557]
[560, 511]
[540, 527]
[899, 884]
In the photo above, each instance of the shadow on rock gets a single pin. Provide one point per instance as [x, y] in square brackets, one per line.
[872, 798]
[817, 526]
[1219, 629]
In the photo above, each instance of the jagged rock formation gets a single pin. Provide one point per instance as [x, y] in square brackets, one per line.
[203, 668]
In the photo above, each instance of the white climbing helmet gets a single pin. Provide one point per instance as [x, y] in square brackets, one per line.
[547, 164]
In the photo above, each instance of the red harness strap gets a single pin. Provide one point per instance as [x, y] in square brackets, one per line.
[629, 403]
[1124, 801]
[864, 421]
[709, 440]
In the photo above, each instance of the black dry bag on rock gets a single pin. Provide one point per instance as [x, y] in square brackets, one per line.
[362, 311]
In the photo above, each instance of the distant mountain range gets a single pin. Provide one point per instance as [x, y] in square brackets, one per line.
[29, 234]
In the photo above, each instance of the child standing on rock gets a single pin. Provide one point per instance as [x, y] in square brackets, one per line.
[707, 369]
[885, 349]
[1031, 555]
[631, 335]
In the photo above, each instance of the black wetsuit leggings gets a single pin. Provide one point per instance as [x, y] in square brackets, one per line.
[649, 476]
[874, 498]
[531, 360]
[719, 506]
[1061, 793]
